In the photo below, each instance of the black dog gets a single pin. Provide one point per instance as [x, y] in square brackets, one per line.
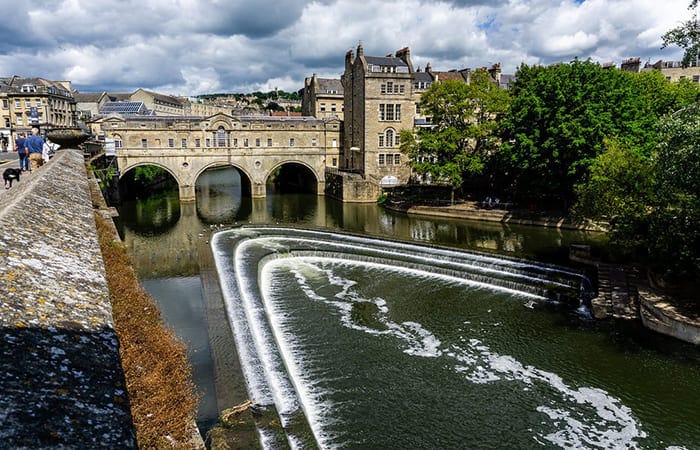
[11, 175]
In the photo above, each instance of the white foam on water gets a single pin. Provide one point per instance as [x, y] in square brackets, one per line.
[613, 426]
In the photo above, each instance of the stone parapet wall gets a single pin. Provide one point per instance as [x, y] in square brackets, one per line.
[62, 382]
[660, 315]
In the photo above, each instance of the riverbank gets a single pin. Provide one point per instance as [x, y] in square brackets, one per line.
[471, 210]
[158, 376]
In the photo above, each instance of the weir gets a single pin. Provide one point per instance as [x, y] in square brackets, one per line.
[246, 257]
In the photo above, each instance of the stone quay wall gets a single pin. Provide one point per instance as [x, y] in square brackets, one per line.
[61, 379]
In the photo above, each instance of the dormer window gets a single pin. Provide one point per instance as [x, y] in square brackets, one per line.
[28, 88]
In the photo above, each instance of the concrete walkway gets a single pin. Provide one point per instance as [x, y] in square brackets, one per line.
[61, 380]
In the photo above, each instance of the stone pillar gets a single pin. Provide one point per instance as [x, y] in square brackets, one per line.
[258, 190]
[187, 193]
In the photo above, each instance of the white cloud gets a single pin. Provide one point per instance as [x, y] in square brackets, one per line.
[195, 46]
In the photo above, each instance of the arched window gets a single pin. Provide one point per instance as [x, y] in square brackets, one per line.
[221, 137]
[118, 143]
[389, 138]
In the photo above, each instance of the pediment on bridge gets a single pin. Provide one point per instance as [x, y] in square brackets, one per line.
[220, 119]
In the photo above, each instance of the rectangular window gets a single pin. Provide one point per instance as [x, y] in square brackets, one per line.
[334, 143]
[323, 107]
[7, 122]
[20, 120]
[207, 142]
[257, 142]
[389, 159]
[696, 79]
[313, 142]
[197, 142]
[171, 142]
[245, 142]
[183, 143]
[144, 143]
[381, 140]
[381, 159]
[5, 104]
[28, 103]
[397, 159]
[37, 103]
[335, 162]
[235, 142]
[389, 112]
[389, 87]
[291, 142]
[269, 142]
[401, 89]
[18, 104]
[382, 89]
[333, 107]
[381, 111]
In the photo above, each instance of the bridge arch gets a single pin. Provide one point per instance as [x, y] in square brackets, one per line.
[122, 172]
[246, 178]
[295, 175]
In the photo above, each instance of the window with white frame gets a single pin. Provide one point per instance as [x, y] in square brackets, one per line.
[389, 112]
[323, 107]
[221, 137]
[397, 159]
[381, 159]
[20, 119]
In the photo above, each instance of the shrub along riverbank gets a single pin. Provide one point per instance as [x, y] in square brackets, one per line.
[158, 376]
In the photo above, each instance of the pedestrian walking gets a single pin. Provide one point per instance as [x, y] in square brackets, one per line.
[34, 146]
[22, 152]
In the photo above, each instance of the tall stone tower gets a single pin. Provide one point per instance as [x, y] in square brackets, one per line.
[378, 97]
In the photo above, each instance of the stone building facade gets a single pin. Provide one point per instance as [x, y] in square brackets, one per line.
[26, 102]
[322, 97]
[379, 103]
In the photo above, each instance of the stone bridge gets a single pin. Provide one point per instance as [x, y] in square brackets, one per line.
[254, 165]
[257, 146]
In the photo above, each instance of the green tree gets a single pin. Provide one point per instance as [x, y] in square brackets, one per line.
[686, 36]
[673, 240]
[561, 116]
[463, 121]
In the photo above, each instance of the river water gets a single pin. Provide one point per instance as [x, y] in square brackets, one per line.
[375, 342]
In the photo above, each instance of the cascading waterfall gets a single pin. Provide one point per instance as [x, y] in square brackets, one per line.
[284, 373]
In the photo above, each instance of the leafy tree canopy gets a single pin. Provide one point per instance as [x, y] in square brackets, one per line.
[561, 116]
[463, 120]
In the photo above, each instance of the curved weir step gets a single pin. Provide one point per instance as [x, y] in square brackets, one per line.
[242, 253]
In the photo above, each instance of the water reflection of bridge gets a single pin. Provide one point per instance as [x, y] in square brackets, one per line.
[171, 249]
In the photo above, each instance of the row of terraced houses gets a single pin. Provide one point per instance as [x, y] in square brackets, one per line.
[356, 118]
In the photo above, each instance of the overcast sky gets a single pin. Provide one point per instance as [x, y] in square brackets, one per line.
[189, 47]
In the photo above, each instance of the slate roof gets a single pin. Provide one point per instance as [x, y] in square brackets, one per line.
[385, 61]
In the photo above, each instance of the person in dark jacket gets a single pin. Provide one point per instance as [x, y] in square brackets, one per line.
[22, 152]
[34, 145]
